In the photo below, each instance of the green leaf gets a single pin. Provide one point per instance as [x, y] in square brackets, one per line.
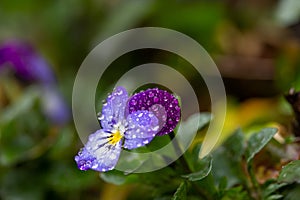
[227, 160]
[290, 172]
[292, 193]
[205, 118]
[258, 141]
[223, 183]
[205, 166]
[23, 105]
[235, 144]
[23, 130]
[181, 192]
[236, 193]
[274, 197]
[117, 178]
[270, 188]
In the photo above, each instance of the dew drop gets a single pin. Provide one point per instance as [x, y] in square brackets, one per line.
[120, 92]
[155, 108]
[133, 102]
[95, 166]
[151, 94]
[88, 163]
[112, 156]
[146, 142]
[155, 128]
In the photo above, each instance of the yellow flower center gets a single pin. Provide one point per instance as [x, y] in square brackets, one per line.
[115, 138]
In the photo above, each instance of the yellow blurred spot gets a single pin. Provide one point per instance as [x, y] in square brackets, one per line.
[247, 114]
[115, 192]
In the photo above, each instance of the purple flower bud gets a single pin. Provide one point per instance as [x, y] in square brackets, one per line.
[27, 64]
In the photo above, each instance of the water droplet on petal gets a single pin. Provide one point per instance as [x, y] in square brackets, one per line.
[95, 166]
[151, 94]
[120, 92]
[155, 128]
[146, 142]
[133, 102]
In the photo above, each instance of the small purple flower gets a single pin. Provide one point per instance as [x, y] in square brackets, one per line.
[29, 66]
[26, 63]
[158, 101]
[103, 148]
[121, 130]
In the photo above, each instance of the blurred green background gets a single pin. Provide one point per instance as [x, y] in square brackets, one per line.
[255, 44]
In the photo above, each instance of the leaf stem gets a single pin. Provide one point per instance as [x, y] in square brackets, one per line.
[182, 161]
[257, 191]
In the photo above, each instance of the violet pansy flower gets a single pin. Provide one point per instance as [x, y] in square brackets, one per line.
[122, 128]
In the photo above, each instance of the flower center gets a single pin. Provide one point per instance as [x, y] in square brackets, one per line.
[115, 137]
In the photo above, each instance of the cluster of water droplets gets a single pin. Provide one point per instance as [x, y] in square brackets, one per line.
[161, 103]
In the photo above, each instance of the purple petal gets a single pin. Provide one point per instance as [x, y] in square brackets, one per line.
[155, 99]
[98, 154]
[54, 106]
[142, 127]
[141, 124]
[27, 64]
[113, 110]
[137, 142]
